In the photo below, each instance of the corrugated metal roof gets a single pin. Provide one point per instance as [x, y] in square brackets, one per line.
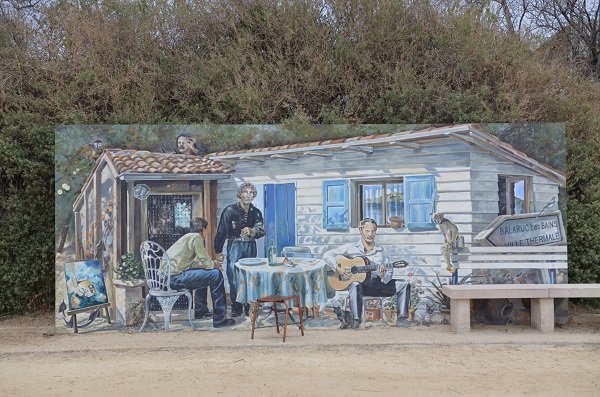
[472, 133]
[141, 162]
[312, 145]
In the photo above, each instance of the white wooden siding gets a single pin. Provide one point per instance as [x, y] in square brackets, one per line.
[448, 163]
[543, 191]
[466, 191]
[484, 177]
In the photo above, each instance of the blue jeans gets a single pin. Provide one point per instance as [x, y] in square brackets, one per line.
[237, 250]
[202, 278]
[200, 302]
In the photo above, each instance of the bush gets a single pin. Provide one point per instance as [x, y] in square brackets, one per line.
[130, 268]
[26, 215]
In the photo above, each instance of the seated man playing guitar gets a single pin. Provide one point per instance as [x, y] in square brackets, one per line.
[377, 282]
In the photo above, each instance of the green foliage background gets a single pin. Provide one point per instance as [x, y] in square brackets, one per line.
[265, 62]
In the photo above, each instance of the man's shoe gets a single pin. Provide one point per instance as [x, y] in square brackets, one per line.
[404, 323]
[236, 309]
[247, 309]
[200, 314]
[228, 322]
[236, 313]
[355, 324]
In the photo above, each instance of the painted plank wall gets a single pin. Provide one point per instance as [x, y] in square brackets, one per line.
[543, 191]
[448, 162]
[466, 183]
[484, 172]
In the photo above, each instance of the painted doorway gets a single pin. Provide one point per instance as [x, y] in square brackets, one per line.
[280, 215]
[169, 217]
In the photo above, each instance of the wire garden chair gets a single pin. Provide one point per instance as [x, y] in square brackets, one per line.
[157, 268]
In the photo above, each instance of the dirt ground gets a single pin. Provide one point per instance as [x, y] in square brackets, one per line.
[37, 360]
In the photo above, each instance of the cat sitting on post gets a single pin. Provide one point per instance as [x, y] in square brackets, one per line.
[450, 232]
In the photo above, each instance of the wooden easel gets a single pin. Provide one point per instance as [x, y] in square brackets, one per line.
[74, 313]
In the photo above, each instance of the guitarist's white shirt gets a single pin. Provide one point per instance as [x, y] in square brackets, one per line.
[377, 256]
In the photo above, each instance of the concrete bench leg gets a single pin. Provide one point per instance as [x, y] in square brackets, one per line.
[542, 314]
[460, 315]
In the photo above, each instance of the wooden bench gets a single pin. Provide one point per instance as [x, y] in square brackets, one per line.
[547, 259]
[541, 295]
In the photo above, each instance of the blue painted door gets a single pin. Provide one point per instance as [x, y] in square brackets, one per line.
[280, 215]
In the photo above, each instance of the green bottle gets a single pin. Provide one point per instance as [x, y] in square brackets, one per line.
[272, 254]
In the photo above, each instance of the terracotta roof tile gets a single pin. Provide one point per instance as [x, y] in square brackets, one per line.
[143, 162]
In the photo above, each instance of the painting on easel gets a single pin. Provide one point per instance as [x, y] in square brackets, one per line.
[85, 285]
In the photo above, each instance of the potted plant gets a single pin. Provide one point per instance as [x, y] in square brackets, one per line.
[130, 268]
[128, 289]
[415, 298]
[389, 309]
[372, 311]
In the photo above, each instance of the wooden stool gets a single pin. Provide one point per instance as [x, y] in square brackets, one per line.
[276, 299]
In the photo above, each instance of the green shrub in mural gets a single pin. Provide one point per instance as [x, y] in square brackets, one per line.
[130, 268]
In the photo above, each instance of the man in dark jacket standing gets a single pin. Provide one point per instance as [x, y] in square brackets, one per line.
[241, 224]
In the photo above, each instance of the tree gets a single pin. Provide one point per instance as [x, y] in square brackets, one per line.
[578, 22]
[575, 24]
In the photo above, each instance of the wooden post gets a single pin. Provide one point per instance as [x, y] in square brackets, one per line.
[117, 219]
[75, 329]
[143, 222]
[130, 217]
[107, 314]
[210, 211]
[97, 208]
[86, 226]
[77, 235]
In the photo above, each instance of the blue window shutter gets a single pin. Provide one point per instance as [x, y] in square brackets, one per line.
[419, 198]
[336, 214]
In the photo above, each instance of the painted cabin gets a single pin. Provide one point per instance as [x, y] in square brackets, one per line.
[113, 215]
[314, 194]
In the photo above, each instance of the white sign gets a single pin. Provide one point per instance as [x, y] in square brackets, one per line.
[524, 230]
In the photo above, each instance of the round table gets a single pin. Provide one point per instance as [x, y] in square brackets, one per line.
[306, 279]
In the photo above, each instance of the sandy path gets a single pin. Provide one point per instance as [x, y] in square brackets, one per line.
[422, 361]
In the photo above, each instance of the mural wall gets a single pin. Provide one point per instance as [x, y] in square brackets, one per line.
[334, 214]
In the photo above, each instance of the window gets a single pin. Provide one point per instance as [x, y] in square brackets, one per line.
[183, 214]
[391, 202]
[381, 200]
[513, 195]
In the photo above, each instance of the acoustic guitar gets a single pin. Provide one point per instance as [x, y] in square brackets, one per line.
[358, 266]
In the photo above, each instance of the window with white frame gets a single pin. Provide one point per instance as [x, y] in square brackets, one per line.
[380, 200]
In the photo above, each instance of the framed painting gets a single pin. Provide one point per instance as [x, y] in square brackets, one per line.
[85, 285]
